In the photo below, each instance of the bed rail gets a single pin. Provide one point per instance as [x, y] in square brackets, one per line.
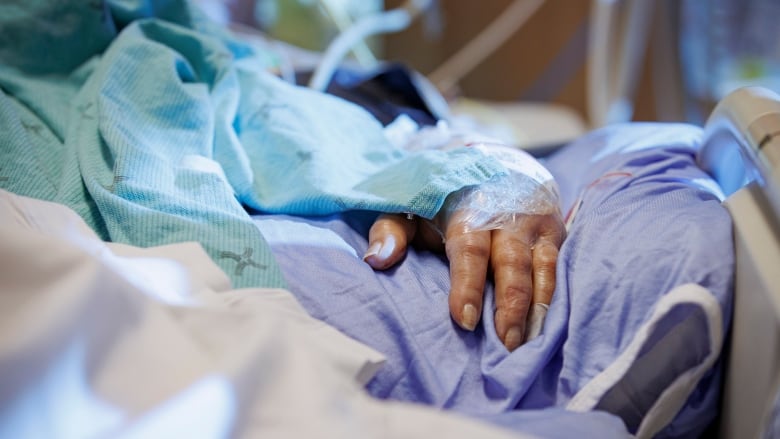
[742, 142]
[742, 150]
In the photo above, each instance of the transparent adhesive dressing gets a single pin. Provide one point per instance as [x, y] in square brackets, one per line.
[526, 189]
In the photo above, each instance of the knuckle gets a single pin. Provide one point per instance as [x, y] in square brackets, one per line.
[468, 248]
[545, 260]
[512, 256]
[555, 230]
[545, 256]
[516, 299]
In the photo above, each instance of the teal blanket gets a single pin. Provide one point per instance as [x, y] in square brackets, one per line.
[157, 126]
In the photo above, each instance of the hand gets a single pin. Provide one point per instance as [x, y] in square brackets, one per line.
[521, 256]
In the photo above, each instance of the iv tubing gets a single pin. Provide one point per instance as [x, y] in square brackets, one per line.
[341, 19]
[390, 21]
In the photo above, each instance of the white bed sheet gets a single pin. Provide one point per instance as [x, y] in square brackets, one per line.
[155, 344]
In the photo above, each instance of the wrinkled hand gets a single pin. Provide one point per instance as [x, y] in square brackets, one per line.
[521, 257]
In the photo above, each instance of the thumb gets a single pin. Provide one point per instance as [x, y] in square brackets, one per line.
[388, 240]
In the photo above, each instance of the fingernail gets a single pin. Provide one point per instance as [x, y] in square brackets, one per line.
[381, 250]
[535, 321]
[514, 338]
[373, 250]
[468, 319]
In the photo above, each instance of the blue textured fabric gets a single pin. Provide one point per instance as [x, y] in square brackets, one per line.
[156, 126]
[772, 426]
[648, 223]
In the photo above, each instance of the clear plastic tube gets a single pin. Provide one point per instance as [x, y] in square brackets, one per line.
[386, 22]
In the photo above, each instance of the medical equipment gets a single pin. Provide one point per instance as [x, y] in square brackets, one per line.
[744, 128]
[383, 22]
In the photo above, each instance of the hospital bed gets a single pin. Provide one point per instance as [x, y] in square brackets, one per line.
[114, 339]
[744, 128]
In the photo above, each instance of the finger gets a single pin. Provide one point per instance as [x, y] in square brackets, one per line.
[545, 258]
[469, 254]
[552, 229]
[388, 240]
[512, 262]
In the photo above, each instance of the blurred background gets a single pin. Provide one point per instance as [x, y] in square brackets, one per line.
[582, 63]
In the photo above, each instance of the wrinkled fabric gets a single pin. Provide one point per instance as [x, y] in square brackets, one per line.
[110, 340]
[156, 126]
[648, 220]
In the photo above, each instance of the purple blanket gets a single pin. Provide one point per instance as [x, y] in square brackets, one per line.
[641, 305]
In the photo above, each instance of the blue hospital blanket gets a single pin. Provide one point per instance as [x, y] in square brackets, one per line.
[649, 221]
[156, 126]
